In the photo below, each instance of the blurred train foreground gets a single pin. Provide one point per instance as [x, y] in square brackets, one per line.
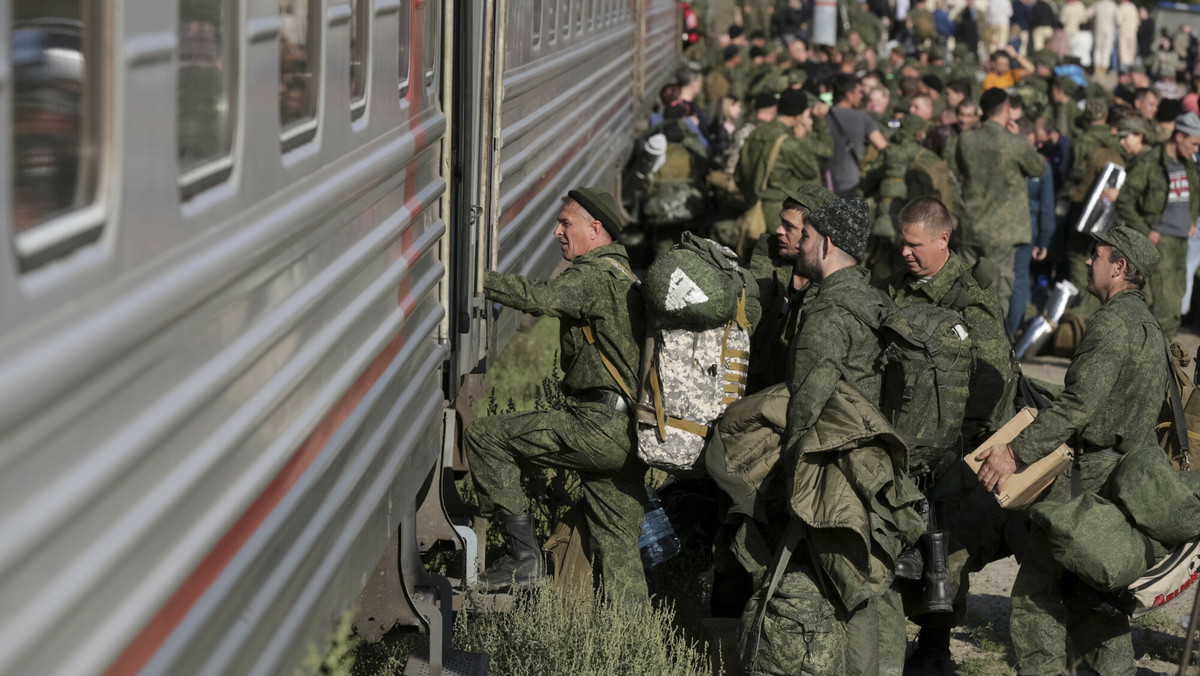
[240, 288]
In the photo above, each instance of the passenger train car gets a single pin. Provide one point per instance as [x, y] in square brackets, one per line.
[240, 284]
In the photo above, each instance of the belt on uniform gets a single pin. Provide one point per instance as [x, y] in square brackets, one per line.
[607, 397]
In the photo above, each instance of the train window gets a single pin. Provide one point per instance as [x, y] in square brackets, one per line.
[537, 22]
[552, 21]
[430, 39]
[57, 84]
[299, 65]
[359, 42]
[564, 14]
[404, 56]
[205, 98]
[578, 14]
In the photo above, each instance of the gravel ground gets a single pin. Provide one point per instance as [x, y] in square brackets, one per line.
[982, 646]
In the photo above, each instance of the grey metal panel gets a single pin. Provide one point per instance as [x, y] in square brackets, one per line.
[663, 44]
[182, 420]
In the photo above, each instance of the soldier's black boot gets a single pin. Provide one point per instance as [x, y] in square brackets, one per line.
[935, 596]
[522, 564]
[910, 564]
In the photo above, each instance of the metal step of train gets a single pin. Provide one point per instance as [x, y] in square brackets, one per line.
[455, 663]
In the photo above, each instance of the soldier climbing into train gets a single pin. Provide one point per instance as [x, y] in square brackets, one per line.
[602, 328]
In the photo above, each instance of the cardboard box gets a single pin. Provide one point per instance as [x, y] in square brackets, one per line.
[1029, 483]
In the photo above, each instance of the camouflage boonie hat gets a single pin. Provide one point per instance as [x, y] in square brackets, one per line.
[1133, 245]
[1131, 125]
[1094, 110]
[810, 195]
[847, 223]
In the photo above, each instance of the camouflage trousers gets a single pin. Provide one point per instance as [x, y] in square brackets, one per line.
[1169, 283]
[591, 439]
[1040, 615]
[804, 632]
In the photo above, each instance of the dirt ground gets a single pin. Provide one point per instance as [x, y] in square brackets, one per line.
[982, 646]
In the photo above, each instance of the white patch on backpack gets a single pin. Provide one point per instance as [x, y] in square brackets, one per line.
[962, 332]
[683, 292]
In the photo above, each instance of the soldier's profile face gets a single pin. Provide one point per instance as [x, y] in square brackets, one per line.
[1100, 267]
[808, 260]
[789, 232]
[574, 231]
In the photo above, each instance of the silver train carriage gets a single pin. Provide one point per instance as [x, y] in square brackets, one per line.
[240, 285]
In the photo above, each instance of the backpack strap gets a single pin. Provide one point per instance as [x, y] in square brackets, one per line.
[771, 160]
[787, 546]
[589, 333]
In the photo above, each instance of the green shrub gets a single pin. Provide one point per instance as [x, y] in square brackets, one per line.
[549, 632]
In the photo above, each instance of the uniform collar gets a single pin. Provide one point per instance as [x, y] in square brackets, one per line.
[940, 283]
[613, 250]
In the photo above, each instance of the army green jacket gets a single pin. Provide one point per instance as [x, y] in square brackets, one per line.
[1143, 197]
[1095, 136]
[781, 313]
[592, 291]
[993, 381]
[839, 333]
[799, 161]
[1114, 387]
[994, 165]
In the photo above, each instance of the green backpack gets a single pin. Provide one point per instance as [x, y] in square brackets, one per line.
[927, 362]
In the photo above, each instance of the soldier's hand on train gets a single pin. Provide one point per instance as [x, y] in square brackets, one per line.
[999, 463]
[1154, 237]
[1039, 253]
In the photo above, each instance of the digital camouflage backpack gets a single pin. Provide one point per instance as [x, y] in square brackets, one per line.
[700, 306]
[927, 363]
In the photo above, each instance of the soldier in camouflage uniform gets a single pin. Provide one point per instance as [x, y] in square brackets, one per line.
[781, 292]
[980, 531]
[993, 164]
[800, 155]
[886, 181]
[1113, 392]
[1161, 199]
[593, 435]
[1065, 110]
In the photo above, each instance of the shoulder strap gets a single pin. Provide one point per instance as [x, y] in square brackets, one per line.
[845, 137]
[590, 335]
[772, 159]
[791, 538]
[1177, 411]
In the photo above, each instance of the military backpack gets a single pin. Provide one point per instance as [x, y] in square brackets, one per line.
[699, 307]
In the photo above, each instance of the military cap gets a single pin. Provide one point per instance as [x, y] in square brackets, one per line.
[1045, 57]
[899, 51]
[735, 31]
[911, 62]
[797, 76]
[1188, 123]
[792, 102]
[1131, 125]
[811, 196]
[1133, 245]
[765, 100]
[757, 51]
[601, 206]
[1094, 110]
[910, 126]
[847, 223]
[1068, 85]
[731, 51]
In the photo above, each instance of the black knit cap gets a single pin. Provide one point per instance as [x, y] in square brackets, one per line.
[847, 223]
[601, 206]
[765, 100]
[992, 98]
[792, 102]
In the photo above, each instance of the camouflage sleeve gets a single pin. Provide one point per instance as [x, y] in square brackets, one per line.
[1033, 165]
[821, 348]
[1090, 379]
[820, 139]
[799, 161]
[988, 403]
[950, 156]
[1134, 187]
[571, 294]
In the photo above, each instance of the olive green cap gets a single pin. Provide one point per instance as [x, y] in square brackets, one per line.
[1131, 125]
[1068, 85]
[601, 206]
[811, 196]
[1045, 57]
[1133, 245]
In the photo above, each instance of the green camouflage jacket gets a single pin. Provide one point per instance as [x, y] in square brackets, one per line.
[840, 331]
[1143, 197]
[592, 291]
[993, 382]
[1095, 136]
[799, 161]
[994, 165]
[1114, 387]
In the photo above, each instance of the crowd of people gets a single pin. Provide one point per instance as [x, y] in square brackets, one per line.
[933, 161]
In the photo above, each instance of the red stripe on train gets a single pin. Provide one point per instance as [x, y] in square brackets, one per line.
[139, 652]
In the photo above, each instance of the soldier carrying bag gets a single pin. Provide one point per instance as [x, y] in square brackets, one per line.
[753, 223]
